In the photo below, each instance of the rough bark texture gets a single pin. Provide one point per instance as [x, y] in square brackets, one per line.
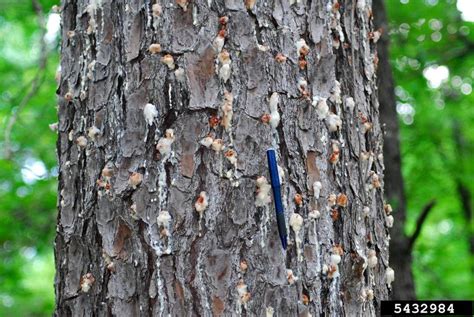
[400, 249]
[113, 256]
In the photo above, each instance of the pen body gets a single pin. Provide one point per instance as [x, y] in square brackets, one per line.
[276, 188]
[278, 201]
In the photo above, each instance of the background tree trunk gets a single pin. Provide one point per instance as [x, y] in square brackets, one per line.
[400, 248]
[113, 256]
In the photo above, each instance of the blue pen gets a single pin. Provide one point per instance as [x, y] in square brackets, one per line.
[275, 181]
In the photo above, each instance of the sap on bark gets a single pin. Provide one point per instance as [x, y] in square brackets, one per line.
[291, 277]
[336, 93]
[374, 180]
[372, 259]
[334, 157]
[109, 263]
[244, 294]
[156, 9]
[107, 172]
[387, 208]
[86, 282]
[334, 260]
[375, 35]
[231, 156]
[361, 5]
[302, 63]
[332, 200]
[70, 34]
[341, 200]
[274, 119]
[217, 145]
[83, 95]
[317, 189]
[281, 174]
[206, 141]
[93, 132]
[135, 179]
[333, 122]
[183, 4]
[303, 87]
[227, 111]
[265, 118]
[168, 60]
[332, 270]
[90, 70]
[133, 211]
[263, 48]
[364, 156]
[296, 223]
[350, 104]
[263, 192]
[366, 211]
[337, 249]
[314, 214]
[280, 58]
[366, 124]
[305, 299]
[292, 2]
[150, 113]
[367, 294]
[389, 276]
[180, 75]
[68, 96]
[249, 4]
[322, 108]
[201, 203]
[163, 221]
[269, 311]
[302, 50]
[225, 70]
[103, 184]
[223, 21]
[214, 121]
[154, 48]
[298, 200]
[243, 266]
[81, 141]
[219, 41]
[164, 144]
[91, 10]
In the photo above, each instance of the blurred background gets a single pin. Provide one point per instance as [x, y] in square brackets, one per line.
[432, 59]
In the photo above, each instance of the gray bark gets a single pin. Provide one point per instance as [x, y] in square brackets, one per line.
[114, 257]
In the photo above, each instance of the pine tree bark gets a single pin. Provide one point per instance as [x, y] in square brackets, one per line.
[130, 241]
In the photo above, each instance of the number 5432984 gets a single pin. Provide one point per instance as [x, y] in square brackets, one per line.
[423, 308]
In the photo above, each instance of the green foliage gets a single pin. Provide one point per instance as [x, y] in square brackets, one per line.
[27, 202]
[432, 33]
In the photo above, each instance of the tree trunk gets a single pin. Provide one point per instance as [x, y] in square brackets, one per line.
[156, 219]
[400, 248]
